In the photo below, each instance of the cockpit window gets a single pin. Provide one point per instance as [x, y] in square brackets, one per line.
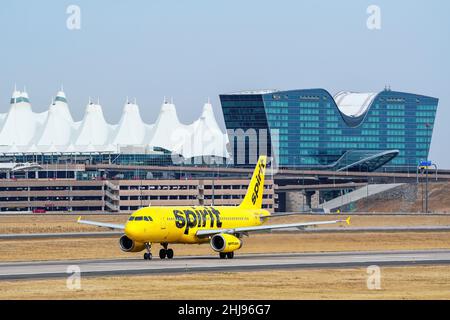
[138, 219]
[150, 218]
[146, 218]
[131, 219]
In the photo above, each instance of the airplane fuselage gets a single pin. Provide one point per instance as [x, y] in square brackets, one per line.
[180, 224]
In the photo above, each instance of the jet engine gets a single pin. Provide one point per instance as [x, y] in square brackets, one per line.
[225, 243]
[128, 245]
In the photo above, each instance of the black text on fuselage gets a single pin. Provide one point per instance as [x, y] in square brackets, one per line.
[197, 217]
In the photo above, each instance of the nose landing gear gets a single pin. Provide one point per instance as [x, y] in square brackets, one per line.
[148, 254]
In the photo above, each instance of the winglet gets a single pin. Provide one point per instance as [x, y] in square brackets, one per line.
[79, 218]
[348, 220]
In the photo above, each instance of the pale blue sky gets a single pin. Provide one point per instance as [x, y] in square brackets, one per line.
[196, 49]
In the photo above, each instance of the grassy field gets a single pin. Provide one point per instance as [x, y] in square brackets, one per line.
[418, 282]
[67, 223]
[99, 248]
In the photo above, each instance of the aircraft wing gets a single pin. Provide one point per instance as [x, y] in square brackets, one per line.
[267, 228]
[102, 224]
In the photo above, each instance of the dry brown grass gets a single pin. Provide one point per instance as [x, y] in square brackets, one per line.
[67, 223]
[53, 223]
[100, 248]
[438, 195]
[418, 282]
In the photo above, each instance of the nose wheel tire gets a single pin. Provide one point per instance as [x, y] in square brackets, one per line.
[169, 253]
[148, 256]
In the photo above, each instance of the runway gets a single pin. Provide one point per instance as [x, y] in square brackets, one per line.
[249, 262]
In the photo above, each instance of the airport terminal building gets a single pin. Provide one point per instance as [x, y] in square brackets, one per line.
[311, 129]
[51, 162]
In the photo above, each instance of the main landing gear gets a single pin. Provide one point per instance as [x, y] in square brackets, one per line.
[148, 254]
[165, 253]
[228, 255]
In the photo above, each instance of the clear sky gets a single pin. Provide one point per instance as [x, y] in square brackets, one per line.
[192, 50]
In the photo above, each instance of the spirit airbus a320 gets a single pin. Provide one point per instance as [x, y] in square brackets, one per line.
[222, 226]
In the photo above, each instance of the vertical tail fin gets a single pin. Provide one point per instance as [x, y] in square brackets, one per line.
[254, 195]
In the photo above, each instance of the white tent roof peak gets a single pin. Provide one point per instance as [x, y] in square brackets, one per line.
[16, 93]
[25, 131]
[61, 94]
[24, 95]
[94, 129]
[131, 130]
[354, 104]
[58, 128]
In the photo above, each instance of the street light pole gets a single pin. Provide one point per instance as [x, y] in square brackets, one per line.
[424, 169]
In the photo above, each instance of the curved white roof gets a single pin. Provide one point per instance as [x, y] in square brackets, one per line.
[21, 124]
[354, 104]
[55, 131]
[167, 131]
[94, 131]
[59, 128]
[131, 129]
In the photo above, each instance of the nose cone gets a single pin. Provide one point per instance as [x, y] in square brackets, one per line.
[132, 230]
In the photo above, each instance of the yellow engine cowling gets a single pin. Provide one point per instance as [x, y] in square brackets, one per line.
[225, 243]
[128, 245]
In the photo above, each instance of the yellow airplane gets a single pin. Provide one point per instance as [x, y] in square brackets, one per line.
[222, 226]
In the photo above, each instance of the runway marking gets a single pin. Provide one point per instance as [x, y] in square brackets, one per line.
[49, 269]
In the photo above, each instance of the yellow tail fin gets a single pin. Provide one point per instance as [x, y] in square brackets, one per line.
[253, 197]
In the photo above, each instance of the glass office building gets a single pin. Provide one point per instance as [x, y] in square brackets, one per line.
[311, 129]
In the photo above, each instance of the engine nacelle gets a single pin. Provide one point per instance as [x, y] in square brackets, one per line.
[225, 243]
[128, 245]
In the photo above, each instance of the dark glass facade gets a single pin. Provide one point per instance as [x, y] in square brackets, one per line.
[394, 132]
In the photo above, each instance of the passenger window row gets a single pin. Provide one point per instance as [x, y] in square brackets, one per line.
[140, 218]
